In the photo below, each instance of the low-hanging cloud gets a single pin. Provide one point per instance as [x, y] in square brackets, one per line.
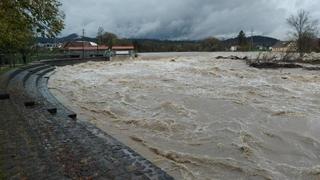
[183, 19]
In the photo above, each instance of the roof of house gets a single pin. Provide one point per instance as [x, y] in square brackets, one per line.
[282, 44]
[122, 47]
[79, 44]
[87, 48]
[83, 45]
[91, 46]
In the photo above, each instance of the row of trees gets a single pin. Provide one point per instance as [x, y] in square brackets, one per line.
[23, 20]
[209, 44]
[144, 45]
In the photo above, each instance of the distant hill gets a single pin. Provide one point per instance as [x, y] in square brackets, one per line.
[71, 37]
[154, 45]
[257, 40]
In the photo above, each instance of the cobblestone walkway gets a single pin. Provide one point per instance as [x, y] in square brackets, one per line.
[41, 139]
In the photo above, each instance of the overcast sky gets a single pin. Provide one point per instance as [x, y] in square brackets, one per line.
[183, 19]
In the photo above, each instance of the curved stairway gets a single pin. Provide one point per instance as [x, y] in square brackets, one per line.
[42, 139]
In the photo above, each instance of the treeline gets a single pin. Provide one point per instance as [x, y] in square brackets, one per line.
[205, 45]
[148, 45]
[209, 44]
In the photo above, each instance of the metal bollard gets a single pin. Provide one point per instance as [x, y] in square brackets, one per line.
[52, 110]
[4, 96]
[73, 116]
[29, 104]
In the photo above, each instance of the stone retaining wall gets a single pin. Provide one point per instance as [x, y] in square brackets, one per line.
[41, 139]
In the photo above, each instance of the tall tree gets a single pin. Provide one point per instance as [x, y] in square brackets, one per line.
[22, 20]
[100, 34]
[210, 44]
[304, 31]
[108, 39]
[242, 40]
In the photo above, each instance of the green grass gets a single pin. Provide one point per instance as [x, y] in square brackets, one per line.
[17, 58]
[2, 174]
[6, 69]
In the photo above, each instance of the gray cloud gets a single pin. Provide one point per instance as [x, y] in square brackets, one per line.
[183, 19]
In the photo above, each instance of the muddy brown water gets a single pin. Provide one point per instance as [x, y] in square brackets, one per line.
[201, 118]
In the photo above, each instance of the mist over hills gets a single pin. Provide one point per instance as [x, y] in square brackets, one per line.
[155, 45]
[71, 37]
[257, 40]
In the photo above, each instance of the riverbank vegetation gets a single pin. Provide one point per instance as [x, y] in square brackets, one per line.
[22, 21]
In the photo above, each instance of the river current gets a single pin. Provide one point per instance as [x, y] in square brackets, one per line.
[198, 117]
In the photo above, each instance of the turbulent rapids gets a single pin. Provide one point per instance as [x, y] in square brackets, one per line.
[198, 117]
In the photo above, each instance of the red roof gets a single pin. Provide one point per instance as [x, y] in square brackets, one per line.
[91, 46]
[80, 48]
[122, 48]
[78, 44]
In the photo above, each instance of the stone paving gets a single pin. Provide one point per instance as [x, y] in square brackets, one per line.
[41, 139]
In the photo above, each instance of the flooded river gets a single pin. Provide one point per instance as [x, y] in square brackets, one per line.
[197, 117]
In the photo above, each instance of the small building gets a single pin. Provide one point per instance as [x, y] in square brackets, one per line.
[84, 49]
[234, 48]
[123, 50]
[284, 46]
[81, 49]
[261, 48]
[49, 45]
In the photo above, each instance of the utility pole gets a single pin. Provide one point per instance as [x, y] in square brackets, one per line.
[83, 43]
[251, 47]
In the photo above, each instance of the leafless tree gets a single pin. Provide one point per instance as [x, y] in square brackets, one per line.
[100, 34]
[305, 30]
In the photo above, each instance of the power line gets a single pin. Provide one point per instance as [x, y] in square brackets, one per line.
[83, 32]
[251, 39]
